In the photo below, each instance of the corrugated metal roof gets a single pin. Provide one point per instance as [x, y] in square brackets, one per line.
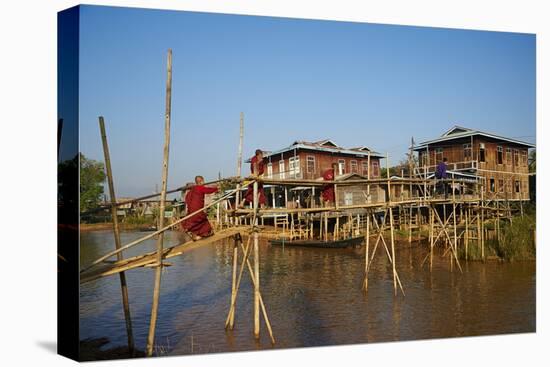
[463, 132]
[323, 148]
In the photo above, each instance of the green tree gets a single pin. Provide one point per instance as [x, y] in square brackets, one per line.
[92, 176]
[533, 161]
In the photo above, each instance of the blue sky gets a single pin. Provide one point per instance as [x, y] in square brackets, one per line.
[356, 83]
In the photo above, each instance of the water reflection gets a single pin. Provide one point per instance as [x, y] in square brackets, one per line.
[313, 298]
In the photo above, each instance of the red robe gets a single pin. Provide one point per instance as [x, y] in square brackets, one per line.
[327, 192]
[194, 200]
[249, 195]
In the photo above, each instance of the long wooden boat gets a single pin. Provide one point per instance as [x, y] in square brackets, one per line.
[346, 242]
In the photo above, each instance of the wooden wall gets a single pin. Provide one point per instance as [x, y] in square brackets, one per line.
[323, 161]
[504, 175]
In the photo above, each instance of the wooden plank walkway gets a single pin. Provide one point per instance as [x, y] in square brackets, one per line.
[149, 259]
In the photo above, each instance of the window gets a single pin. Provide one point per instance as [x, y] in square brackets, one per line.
[467, 151]
[375, 170]
[524, 157]
[492, 184]
[348, 198]
[353, 166]
[508, 156]
[516, 157]
[282, 169]
[517, 186]
[365, 165]
[341, 166]
[310, 164]
[481, 152]
[294, 167]
[500, 185]
[438, 154]
[269, 170]
[499, 155]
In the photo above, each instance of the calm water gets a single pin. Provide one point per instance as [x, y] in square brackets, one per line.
[313, 298]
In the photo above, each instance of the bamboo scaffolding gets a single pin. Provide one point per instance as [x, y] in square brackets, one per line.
[153, 234]
[116, 231]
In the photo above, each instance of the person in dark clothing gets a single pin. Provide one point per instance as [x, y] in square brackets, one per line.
[197, 226]
[327, 192]
[257, 168]
[441, 174]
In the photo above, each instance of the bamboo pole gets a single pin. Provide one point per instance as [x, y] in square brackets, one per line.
[393, 253]
[234, 278]
[123, 284]
[158, 269]
[431, 236]
[231, 313]
[410, 224]
[454, 219]
[256, 268]
[478, 221]
[466, 234]
[262, 304]
[239, 163]
[367, 240]
[483, 234]
[326, 226]
[391, 226]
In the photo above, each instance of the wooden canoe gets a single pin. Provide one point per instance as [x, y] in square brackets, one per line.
[346, 242]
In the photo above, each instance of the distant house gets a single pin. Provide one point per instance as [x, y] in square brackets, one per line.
[500, 162]
[308, 160]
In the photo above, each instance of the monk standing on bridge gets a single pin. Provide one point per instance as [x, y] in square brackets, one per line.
[257, 167]
[197, 225]
[327, 193]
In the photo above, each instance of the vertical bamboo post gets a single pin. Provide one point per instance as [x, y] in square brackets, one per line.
[410, 223]
[158, 269]
[123, 285]
[391, 226]
[431, 236]
[367, 241]
[256, 268]
[478, 220]
[336, 204]
[466, 234]
[237, 239]
[393, 252]
[239, 164]
[326, 226]
[454, 216]
[418, 223]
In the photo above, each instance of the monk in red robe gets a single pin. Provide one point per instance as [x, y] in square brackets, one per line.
[197, 225]
[327, 193]
[257, 167]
